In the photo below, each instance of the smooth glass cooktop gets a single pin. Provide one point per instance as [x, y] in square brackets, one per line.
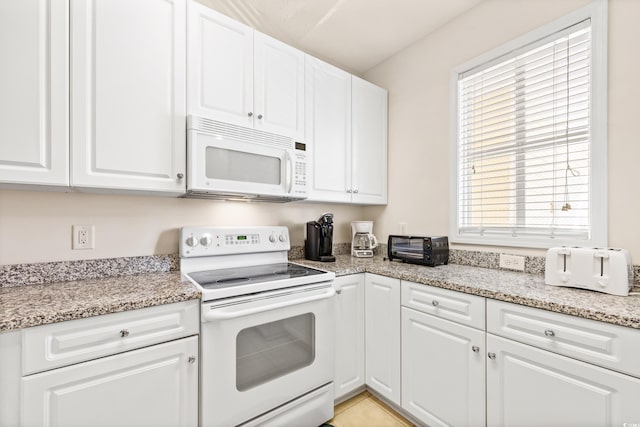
[216, 279]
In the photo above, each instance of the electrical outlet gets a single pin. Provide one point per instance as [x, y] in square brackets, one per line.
[512, 262]
[83, 237]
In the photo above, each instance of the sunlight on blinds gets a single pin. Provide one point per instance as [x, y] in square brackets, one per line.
[524, 140]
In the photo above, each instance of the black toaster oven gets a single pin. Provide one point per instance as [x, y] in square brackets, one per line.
[422, 250]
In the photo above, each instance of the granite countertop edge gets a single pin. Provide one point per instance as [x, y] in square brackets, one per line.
[515, 287]
[36, 305]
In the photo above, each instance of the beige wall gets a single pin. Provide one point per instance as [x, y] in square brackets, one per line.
[418, 80]
[36, 226]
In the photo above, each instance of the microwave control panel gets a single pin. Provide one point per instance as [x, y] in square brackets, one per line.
[300, 170]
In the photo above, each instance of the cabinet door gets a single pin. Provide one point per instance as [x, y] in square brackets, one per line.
[34, 88]
[328, 131]
[153, 386]
[279, 87]
[128, 95]
[382, 335]
[220, 67]
[440, 360]
[527, 386]
[369, 143]
[349, 335]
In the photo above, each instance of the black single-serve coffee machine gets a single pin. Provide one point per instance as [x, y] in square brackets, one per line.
[319, 243]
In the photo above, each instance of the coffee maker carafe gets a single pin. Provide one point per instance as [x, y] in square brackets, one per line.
[362, 240]
[319, 243]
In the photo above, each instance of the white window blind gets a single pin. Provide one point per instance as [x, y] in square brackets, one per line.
[524, 141]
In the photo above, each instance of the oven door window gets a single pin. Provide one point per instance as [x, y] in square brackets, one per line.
[240, 166]
[272, 350]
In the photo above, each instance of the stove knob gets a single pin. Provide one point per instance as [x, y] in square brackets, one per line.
[192, 241]
[282, 238]
[205, 240]
[272, 238]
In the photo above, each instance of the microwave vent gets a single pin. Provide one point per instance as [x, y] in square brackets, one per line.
[239, 133]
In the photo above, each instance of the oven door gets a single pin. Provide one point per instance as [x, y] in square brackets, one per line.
[264, 350]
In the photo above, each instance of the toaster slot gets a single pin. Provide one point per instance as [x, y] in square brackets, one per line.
[565, 259]
[601, 264]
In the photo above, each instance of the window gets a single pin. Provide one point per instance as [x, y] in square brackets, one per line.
[530, 138]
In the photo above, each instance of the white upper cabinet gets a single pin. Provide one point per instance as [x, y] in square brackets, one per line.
[220, 66]
[369, 142]
[328, 131]
[279, 87]
[128, 96]
[346, 127]
[240, 76]
[34, 88]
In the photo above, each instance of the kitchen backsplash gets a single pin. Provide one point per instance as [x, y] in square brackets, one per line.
[63, 271]
[532, 264]
[50, 272]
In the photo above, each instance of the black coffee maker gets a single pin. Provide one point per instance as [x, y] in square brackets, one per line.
[319, 243]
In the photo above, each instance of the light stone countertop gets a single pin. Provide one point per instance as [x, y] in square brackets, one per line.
[33, 305]
[520, 288]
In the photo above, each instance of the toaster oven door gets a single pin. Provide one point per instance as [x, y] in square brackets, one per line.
[411, 248]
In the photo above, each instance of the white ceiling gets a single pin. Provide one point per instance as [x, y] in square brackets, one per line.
[352, 34]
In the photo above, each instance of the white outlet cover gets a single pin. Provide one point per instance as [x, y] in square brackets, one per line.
[83, 237]
[512, 262]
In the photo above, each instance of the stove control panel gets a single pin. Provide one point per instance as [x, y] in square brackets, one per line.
[206, 241]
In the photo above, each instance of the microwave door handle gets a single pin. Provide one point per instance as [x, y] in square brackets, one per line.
[226, 314]
[289, 172]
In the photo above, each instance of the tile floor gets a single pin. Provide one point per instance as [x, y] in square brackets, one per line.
[365, 410]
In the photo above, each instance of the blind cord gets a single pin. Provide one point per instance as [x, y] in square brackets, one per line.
[569, 169]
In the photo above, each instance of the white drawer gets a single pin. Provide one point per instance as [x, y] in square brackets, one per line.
[603, 344]
[451, 305]
[65, 343]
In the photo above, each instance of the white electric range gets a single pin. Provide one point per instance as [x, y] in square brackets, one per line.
[267, 328]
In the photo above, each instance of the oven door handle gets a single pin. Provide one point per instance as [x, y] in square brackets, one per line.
[226, 314]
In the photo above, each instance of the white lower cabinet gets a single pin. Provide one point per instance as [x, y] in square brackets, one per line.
[153, 386]
[527, 386]
[349, 335]
[443, 370]
[133, 368]
[443, 356]
[382, 336]
[547, 368]
[428, 351]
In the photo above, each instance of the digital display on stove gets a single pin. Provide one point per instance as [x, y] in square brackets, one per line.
[241, 237]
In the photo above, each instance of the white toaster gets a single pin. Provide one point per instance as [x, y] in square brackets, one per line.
[606, 270]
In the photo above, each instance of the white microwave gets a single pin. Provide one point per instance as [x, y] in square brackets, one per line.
[228, 162]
